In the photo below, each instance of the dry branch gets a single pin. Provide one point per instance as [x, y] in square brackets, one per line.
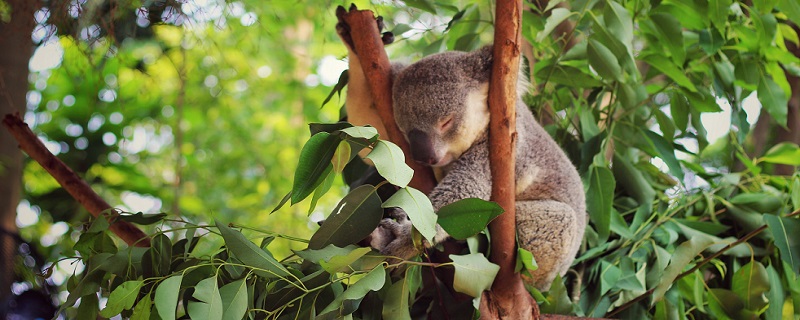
[508, 298]
[29, 142]
[377, 69]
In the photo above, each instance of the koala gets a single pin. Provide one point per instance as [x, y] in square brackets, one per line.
[440, 105]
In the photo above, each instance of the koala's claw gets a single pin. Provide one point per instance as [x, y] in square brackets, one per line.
[343, 29]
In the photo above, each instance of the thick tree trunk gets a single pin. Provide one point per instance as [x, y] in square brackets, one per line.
[15, 39]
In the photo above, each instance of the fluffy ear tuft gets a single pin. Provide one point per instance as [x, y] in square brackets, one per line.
[479, 64]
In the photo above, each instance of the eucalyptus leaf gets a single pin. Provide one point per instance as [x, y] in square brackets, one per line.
[352, 219]
[234, 300]
[465, 218]
[210, 305]
[122, 298]
[166, 298]
[600, 198]
[682, 256]
[785, 231]
[391, 163]
[418, 208]
[252, 255]
[474, 273]
[373, 281]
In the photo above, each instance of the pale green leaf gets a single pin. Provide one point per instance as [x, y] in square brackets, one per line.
[418, 208]
[234, 300]
[365, 132]
[391, 163]
[167, 297]
[249, 253]
[474, 273]
[556, 17]
[773, 99]
[783, 153]
[210, 305]
[142, 309]
[373, 281]
[670, 69]
[340, 263]
[603, 61]
[776, 295]
[395, 305]
[122, 298]
[682, 256]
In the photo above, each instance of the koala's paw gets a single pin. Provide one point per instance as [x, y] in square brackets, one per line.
[343, 29]
[398, 241]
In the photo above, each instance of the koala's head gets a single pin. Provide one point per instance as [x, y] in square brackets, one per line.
[440, 104]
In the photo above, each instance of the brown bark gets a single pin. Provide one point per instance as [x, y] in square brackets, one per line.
[15, 39]
[508, 298]
[377, 69]
[70, 181]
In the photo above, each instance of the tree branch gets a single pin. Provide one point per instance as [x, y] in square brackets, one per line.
[377, 69]
[508, 297]
[29, 142]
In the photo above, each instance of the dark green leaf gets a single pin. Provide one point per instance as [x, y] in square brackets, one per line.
[89, 307]
[337, 89]
[465, 218]
[609, 275]
[618, 21]
[679, 110]
[670, 69]
[773, 99]
[467, 42]
[568, 76]
[724, 303]
[785, 231]
[315, 160]
[603, 61]
[161, 254]
[670, 33]
[750, 283]
[600, 198]
[249, 253]
[455, 18]
[141, 218]
[666, 152]
[352, 219]
[776, 295]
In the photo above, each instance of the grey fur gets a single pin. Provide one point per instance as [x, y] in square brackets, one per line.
[550, 199]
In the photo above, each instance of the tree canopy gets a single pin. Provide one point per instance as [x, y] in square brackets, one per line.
[681, 116]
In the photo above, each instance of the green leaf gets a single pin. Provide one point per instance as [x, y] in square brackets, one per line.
[465, 218]
[142, 219]
[682, 256]
[783, 153]
[618, 22]
[773, 99]
[724, 303]
[796, 192]
[474, 273]
[785, 231]
[210, 305]
[467, 42]
[603, 61]
[633, 181]
[89, 307]
[315, 160]
[341, 263]
[792, 10]
[666, 152]
[670, 69]
[718, 13]
[161, 254]
[341, 157]
[391, 163]
[122, 298]
[325, 254]
[344, 78]
[609, 275]
[525, 259]
[167, 297]
[364, 132]
[558, 301]
[418, 208]
[679, 109]
[234, 300]
[352, 219]
[142, 309]
[556, 17]
[424, 5]
[776, 295]
[322, 189]
[249, 253]
[711, 41]
[600, 198]
[670, 32]
[395, 305]
[568, 76]
[373, 281]
[750, 283]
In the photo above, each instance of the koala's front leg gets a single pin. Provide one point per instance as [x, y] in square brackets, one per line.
[552, 232]
[469, 177]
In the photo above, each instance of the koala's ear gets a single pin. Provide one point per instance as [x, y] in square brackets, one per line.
[479, 64]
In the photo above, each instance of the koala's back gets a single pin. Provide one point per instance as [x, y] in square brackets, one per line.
[543, 170]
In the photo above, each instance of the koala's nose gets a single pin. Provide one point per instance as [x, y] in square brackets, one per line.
[421, 147]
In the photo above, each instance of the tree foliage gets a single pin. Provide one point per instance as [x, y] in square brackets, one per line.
[629, 90]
